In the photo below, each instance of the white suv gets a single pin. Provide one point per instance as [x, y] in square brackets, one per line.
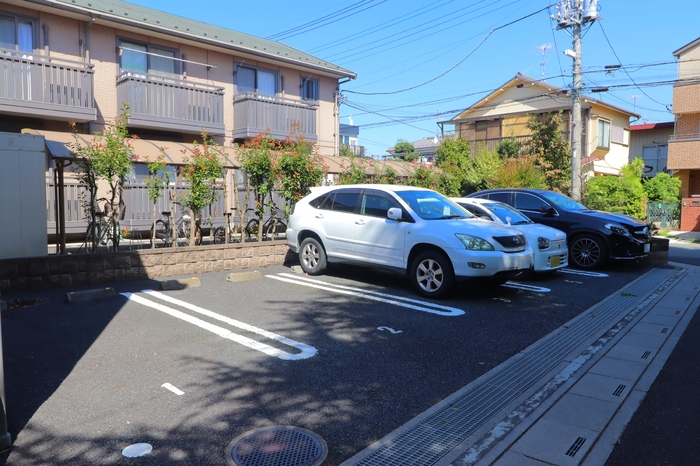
[412, 230]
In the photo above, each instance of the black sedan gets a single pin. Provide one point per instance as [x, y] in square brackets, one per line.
[594, 237]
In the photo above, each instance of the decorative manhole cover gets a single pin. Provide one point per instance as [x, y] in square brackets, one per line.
[277, 446]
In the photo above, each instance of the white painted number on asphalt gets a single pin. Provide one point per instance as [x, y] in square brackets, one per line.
[306, 351]
[414, 304]
[391, 330]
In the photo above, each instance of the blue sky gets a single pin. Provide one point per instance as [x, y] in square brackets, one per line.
[454, 52]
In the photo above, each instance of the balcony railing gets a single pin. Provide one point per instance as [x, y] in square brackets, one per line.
[256, 113]
[690, 136]
[39, 86]
[171, 104]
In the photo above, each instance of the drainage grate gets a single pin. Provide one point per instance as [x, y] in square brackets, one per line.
[575, 447]
[278, 446]
[618, 391]
[646, 354]
[664, 330]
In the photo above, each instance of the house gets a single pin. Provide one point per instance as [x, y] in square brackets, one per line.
[81, 61]
[349, 139]
[684, 145]
[504, 115]
[649, 142]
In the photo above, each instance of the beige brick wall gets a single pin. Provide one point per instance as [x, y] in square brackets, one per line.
[686, 98]
[683, 154]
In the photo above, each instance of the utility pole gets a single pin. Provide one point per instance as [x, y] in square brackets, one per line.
[574, 14]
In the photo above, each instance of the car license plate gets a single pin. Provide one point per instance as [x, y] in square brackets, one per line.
[554, 261]
[647, 247]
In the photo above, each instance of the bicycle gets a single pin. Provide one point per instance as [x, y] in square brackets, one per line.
[272, 227]
[99, 230]
[164, 232]
[234, 231]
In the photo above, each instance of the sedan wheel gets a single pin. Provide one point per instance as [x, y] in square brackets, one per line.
[312, 257]
[431, 274]
[588, 252]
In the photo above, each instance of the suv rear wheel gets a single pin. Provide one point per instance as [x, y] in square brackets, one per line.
[431, 274]
[588, 252]
[312, 257]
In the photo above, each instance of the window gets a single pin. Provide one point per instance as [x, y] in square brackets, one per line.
[17, 33]
[525, 201]
[604, 134]
[309, 89]
[342, 200]
[256, 80]
[377, 204]
[148, 59]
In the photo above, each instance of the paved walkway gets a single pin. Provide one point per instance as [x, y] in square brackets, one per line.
[567, 398]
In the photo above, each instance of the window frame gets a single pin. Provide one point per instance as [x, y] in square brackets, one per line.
[150, 70]
[257, 70]
[604, 133]
[33, 22]
[303, 89]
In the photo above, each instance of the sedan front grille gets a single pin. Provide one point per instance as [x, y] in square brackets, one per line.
[510, 242]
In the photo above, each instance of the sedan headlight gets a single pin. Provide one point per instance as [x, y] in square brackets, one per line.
[620, 230]
[542, 243]
[474, 243]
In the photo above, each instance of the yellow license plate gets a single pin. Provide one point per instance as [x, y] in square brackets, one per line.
[554, 261]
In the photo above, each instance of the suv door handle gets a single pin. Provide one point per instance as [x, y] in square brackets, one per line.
[359, 222]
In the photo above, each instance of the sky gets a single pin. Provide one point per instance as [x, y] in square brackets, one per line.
[423, 61]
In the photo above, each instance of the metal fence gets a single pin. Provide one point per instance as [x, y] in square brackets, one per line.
[664, 215]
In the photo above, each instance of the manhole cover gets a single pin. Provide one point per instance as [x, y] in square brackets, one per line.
[277, 446]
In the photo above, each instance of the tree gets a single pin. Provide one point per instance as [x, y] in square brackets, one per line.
[256, 162]
[405, 150]
[520, 172]
[297, 167]
[663, 188]
[453, 158]
[108, 157]
[624, 194]
[552, 152]
[158, 181]
[201, 172]
[481, 170]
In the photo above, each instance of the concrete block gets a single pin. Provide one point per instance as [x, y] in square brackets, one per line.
[244, 276]
[89, 295]
[180, 283]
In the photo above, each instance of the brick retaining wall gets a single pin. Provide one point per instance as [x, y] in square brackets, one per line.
[60, 271]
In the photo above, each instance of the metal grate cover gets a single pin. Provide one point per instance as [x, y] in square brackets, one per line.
[277, 446]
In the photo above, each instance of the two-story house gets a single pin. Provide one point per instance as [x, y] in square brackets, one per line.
[505, 112]
[81, 61]
[684, 144]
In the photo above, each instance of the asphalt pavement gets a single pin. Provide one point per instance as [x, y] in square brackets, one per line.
[649, 417]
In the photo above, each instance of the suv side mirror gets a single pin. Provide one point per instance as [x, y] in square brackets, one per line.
[395, 213]
[548, 210]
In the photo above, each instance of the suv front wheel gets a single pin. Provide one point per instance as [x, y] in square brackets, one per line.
[588, 252]
[431, 274]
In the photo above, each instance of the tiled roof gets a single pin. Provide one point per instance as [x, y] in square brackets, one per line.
[148, 18]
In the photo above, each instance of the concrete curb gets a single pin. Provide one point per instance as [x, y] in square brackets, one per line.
[244, 276]
[89, 295]
[180, 284]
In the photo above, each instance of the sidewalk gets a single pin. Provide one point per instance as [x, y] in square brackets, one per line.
[567, 398]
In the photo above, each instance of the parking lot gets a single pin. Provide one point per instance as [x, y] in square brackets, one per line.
[350, 356]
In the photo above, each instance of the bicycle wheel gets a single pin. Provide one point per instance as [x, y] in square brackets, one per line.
[251, 230]
[162, 232]
[220, 235]
[274, 229]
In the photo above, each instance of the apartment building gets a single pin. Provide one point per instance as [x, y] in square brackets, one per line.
[80, 61]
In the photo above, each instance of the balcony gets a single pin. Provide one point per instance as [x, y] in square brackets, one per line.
[171, 104]
[256, 113]
[683, 150]
[42, 87]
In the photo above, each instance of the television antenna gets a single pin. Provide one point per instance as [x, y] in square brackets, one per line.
[543, 49]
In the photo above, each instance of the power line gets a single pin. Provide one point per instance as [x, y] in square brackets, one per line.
[453, 67]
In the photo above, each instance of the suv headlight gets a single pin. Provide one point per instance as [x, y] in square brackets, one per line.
[620, 230]
[542, 243]
[474, 243]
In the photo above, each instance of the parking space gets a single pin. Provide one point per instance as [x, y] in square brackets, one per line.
[350, 355]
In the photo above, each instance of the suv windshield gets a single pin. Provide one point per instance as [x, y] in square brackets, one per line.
[562, 201]
[430, 205]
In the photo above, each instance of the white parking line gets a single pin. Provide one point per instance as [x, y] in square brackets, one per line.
[409, 303]
[306, 350]
[583, 272]
[525, 287]
[172, 388]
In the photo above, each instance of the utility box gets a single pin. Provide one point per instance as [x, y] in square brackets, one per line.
[23, 231]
